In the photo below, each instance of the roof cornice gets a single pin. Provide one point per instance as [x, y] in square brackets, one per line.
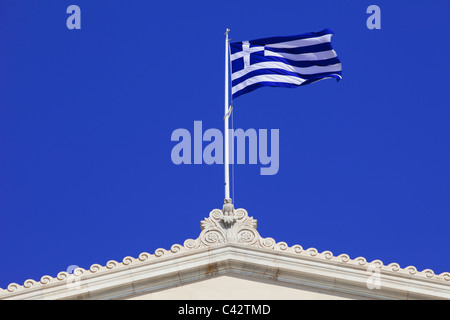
[219, 232]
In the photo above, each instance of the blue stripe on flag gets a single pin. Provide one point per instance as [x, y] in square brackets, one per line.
[309, 49]
[273, 40]
[255, 58]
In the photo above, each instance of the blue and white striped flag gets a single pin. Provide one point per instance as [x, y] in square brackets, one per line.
[283, 62]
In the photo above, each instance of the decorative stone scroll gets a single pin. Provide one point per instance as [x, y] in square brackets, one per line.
[235, 227]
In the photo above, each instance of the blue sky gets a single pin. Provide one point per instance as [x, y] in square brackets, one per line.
[86, 118]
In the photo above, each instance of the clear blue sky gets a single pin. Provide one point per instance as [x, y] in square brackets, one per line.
[86, 118]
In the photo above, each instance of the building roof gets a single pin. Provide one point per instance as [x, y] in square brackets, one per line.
[230, 245]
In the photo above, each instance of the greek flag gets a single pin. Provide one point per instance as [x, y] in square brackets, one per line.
[283, 62]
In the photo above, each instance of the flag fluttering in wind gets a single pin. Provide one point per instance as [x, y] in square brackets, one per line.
[289, 61]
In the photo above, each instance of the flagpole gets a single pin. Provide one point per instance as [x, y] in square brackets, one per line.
[228, 207]
[226, 155]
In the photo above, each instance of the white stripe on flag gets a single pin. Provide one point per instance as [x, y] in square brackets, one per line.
[323, 55]
[280, 65]
[240, 54]
[268, 78]
[301, 43]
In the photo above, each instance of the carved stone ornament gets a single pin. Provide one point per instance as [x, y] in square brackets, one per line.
[229, 216]
[229, 227]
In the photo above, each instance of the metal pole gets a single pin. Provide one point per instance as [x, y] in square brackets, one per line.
[226, 117]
